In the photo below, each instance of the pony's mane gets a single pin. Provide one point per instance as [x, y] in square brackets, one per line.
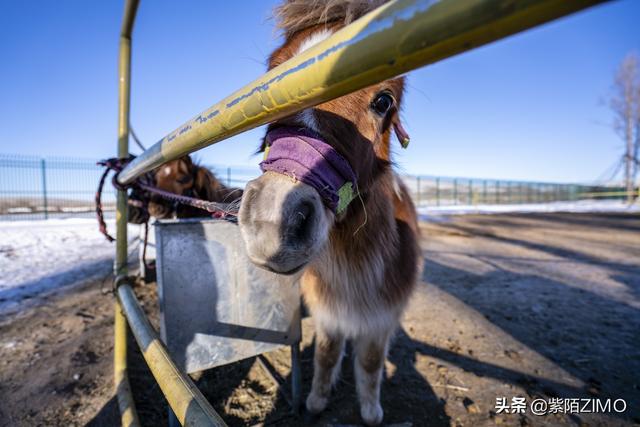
[296, 15]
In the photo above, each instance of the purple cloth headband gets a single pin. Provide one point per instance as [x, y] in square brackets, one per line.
[302, 155]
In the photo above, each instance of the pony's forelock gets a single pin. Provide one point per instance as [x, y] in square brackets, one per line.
[296, 15]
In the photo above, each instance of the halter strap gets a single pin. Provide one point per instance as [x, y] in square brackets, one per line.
[301, 154]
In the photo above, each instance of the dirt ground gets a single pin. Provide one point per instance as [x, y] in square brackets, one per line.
[536, 306]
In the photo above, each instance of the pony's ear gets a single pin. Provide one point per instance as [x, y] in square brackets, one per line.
[401, 134]
[205, 185]
[187, 160]
[263, 145]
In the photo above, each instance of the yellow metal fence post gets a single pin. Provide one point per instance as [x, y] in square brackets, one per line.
[128, 414]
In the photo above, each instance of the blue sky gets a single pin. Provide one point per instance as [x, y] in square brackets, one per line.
[528, 107]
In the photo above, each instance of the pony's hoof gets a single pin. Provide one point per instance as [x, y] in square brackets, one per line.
[371, 413]
[316, 404]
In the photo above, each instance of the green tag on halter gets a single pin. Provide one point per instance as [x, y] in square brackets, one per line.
[266, 152]
[345, 196]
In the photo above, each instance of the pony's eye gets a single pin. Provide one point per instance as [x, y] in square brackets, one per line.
[184, 180]
[382, 103]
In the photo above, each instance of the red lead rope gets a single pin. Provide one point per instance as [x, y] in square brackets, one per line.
[226, 211]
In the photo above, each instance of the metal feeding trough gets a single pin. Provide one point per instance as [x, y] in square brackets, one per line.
[216, 307]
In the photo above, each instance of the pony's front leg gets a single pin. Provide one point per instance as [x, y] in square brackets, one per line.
[370, 353]
[328, 354]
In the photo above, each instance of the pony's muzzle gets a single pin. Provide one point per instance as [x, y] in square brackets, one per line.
[283, 223]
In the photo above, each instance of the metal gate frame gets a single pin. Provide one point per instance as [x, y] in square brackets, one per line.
[398, 37]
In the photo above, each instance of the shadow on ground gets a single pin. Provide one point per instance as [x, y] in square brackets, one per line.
[576, 306]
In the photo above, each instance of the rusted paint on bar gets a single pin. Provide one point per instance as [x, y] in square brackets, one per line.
[393, 39]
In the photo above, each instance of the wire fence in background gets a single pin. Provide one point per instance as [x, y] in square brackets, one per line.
[41, 188]
[429, 191]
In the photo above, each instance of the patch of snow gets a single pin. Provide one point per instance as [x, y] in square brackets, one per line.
[9, 345]
[19, 210]
[77, 209]
[581, 206]
[40, 256]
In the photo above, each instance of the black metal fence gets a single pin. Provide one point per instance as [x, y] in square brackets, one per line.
[39, 188]
[444, 191]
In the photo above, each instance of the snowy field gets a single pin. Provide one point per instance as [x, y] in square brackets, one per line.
[37, 257]
[582, 206]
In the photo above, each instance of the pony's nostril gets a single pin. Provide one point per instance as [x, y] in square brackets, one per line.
[302, 222]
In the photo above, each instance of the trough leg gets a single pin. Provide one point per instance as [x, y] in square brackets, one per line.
[296, 381]
[327, 357]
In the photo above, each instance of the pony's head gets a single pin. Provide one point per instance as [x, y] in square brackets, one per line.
[320, 163]
[182, 176]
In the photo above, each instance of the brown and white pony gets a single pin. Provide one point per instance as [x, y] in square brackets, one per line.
[185, 177]
[359, 265]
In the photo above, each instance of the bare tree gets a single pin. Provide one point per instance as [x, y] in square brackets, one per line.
[625, 103]
[636, 144]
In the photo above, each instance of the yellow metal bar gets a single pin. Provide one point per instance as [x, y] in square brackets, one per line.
[128, 415]
[398, 37]
[189, 405]
[128, 18]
